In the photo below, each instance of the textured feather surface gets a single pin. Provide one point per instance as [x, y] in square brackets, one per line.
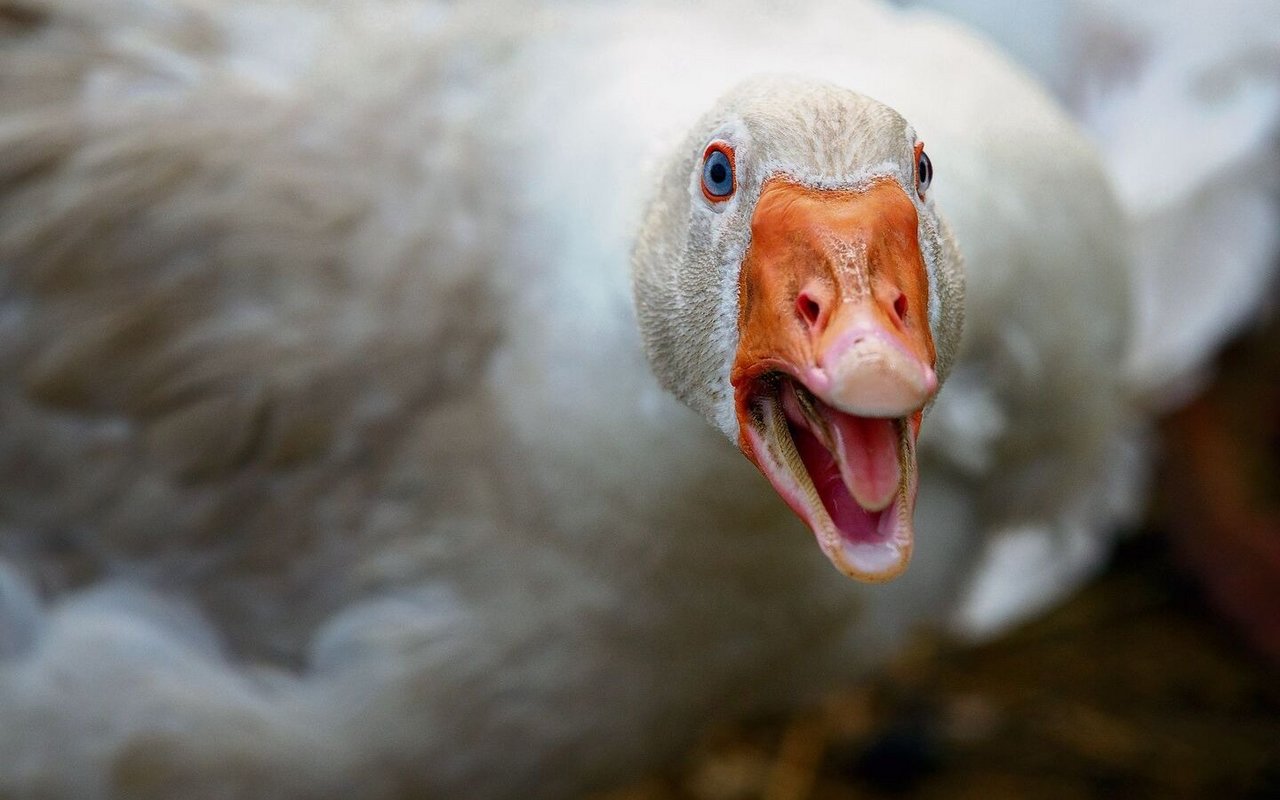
[330, 464]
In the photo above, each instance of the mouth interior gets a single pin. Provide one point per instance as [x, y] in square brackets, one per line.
[855, 523]
[850, 478]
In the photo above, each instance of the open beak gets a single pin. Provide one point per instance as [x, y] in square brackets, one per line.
[835, 365]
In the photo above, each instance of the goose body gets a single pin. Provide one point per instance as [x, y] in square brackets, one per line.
[331, 459]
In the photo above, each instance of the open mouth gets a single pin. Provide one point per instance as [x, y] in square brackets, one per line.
[852, 479]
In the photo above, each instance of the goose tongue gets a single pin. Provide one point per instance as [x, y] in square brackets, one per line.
[863, 449]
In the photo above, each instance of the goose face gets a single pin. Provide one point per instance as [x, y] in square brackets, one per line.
[833, 369]
[829, 295]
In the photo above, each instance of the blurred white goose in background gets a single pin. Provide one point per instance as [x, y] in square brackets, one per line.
[331, 460]
[1182, 100]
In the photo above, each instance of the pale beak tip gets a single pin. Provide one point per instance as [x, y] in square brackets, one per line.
[875, 380]
[930, 380]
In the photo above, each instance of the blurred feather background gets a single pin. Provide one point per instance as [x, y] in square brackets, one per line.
[1152, 682]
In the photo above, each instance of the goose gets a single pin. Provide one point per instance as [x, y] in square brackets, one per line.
[1206, 76]
[377, 379]
[1183, 103]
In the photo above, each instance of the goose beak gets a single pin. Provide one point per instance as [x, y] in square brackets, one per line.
[835, 364]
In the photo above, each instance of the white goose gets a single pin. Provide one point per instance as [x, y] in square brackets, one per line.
[328, 439]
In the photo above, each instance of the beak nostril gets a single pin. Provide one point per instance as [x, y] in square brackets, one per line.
[810, 310]
[900, 307]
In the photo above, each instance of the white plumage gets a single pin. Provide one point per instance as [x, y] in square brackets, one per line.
[1183, 100]
[330, 461]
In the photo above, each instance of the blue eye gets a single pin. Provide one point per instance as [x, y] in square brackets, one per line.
[924, 172]
[718, 181]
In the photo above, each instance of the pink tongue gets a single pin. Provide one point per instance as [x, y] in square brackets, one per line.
[863, 472]
[868, 457]
[855, 523]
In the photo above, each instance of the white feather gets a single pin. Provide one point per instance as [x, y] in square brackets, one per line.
[326, 433]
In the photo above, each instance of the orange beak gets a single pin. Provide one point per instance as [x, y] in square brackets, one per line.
[835, 364]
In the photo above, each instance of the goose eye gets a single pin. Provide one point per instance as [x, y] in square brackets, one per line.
[718, 181]
[924, 171]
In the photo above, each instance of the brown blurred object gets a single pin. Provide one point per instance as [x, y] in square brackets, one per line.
[1220, 487]
[1133, 689]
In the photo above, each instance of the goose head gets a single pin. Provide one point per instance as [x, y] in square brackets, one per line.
[795, 285]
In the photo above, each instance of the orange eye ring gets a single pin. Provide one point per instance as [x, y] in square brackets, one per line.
[719, 172]
[924, 170]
